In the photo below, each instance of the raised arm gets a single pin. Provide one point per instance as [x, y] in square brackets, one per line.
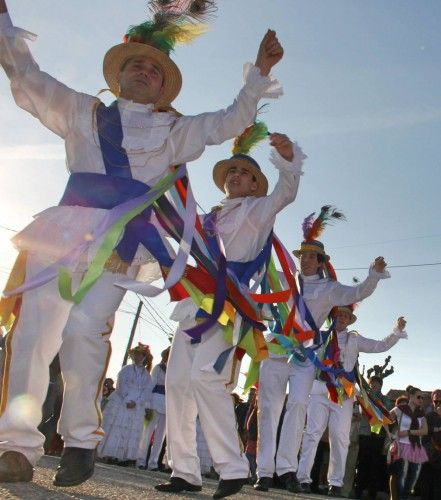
[288, 159]
[191, 134]
[372, 345]
[50, 101]
[340, 295]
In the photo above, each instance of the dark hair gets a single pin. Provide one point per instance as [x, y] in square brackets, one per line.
[401, 400]
[411, 390]
[376, 378]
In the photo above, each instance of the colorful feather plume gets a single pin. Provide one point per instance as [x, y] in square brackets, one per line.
[164, 33]
[251, 136]
[312, 229]
[193, 10]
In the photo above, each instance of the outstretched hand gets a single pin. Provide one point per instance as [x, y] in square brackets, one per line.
[283, 145]
[380, 264]
[270, 52]
[401, 323]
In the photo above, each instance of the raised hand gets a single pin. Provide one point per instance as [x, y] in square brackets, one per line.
[380, 264]
[283, 145]
[401, 323]
[270, 52]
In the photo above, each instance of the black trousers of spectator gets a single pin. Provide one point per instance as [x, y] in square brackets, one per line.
[372, 474]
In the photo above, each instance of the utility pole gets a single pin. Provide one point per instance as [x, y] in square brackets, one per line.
[132, 333]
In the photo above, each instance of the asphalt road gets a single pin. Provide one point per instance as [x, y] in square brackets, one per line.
[118, 483]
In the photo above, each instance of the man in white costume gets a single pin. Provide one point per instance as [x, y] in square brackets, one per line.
[137, 154]
[244, 222]
[124, 415]
[323, 412]
[320, 295]
[157, 421]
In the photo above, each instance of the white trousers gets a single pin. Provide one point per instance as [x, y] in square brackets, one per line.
[193, 389]
[275, 375]
[157, 426]
[80, 333]
[321, 413]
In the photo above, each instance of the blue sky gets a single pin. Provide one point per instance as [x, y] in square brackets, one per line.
[362, 85]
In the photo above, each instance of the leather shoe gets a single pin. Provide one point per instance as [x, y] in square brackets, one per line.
[306, 488]
[334, 491]
[176, 485]
[289, 479]
[15, 468]
[227, 487]
[76, 466]
[263, 484]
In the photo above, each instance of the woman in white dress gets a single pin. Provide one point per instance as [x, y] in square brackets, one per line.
[124, 414]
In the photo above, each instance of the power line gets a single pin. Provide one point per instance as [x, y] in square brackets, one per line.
[8, 229]
[389, 267]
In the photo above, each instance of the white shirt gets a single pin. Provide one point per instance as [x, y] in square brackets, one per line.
[244, 224]
[351, 343]
[154, 141]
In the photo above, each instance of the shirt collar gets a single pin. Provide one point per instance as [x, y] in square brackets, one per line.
[134, 106]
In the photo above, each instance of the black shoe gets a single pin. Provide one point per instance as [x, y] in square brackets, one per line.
[334, 491]
[263, 483]
[176, 485]
[227, 487]
[306, 488]
[76, 466]
[15, 468]
[289, 479]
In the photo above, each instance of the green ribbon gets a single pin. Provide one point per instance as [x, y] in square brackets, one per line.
[110, 241]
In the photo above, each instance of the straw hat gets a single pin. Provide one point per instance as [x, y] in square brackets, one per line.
[221, 168]
[348, 309]
[121, 53]
[311, 246]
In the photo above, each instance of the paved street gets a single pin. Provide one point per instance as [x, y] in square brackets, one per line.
[119, 483]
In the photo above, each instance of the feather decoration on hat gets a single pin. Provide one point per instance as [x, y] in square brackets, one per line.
[251, 136]
[192, 10]
[164, 33]
[313, 229]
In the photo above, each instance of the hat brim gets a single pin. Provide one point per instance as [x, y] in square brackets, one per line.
[298, 253]
[119, 54]
[220, 173]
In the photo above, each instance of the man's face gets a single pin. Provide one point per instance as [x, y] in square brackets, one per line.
[375, 386]
[239, 182]
[342, 320]
[141, 80]
[309, 264]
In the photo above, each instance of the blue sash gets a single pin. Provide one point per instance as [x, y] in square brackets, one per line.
[115, 187]
[159, 389]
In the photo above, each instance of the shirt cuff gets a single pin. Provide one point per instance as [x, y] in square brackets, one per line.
[261, 86]
[380, 276]
[401, 334]
[293, 167]
[10, 31]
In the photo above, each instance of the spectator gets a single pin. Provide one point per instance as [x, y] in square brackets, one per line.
[156, 426]
[108, 388]
[411, 425]
[126, 409]
[430, 479]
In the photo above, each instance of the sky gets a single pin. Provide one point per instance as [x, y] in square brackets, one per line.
[362, 96]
